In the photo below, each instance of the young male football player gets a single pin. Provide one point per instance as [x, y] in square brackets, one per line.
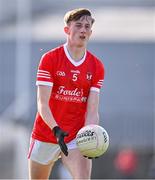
[69, 79]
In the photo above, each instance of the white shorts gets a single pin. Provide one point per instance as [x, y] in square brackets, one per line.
[44, 153]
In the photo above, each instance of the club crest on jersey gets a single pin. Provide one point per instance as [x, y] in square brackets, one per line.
[89, 76]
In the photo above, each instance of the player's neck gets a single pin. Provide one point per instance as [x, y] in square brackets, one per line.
[76, 53]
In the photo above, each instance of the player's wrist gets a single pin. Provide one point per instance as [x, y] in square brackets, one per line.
[56, 130]
[60, 135]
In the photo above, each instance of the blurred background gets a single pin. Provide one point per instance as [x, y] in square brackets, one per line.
[124, 38]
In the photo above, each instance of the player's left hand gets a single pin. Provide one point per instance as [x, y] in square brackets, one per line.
[60, 135]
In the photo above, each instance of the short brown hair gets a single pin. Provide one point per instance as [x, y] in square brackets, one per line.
[76, 14]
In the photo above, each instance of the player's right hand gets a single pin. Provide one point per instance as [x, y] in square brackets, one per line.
[91, 157]
[60, 135]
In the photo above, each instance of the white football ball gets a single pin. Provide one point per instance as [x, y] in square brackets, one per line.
[92, 140]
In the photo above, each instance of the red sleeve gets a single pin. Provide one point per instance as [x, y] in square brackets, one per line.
[44, 75]
[98, 77]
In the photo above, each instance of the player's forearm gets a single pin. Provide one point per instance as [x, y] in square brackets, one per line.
[92, 118]
[46, 115]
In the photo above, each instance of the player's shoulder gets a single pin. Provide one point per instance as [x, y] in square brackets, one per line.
[55, 51]
[52, 55]
[94, 58]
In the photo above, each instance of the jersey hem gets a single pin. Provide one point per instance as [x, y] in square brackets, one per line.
[50, 141]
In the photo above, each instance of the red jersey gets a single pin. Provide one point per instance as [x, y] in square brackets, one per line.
[71, 83]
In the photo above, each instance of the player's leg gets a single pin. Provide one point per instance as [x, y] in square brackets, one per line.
[39, 171]
[42, 157]
[79, 166]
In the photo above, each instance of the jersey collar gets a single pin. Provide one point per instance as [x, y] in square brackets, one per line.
[75, 63]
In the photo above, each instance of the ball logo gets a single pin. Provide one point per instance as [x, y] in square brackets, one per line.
[85, 134]
[92, 140]
[105, 137]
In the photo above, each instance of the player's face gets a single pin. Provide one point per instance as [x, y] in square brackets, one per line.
[79, 31]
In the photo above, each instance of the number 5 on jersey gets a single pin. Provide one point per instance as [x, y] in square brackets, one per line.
[74, 78]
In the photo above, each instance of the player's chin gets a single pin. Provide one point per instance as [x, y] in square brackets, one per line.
[82, 43]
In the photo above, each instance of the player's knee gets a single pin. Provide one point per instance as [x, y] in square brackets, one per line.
[83, 173]
[39, 171]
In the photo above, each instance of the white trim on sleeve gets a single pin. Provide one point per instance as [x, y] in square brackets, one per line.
[95, 89]
[44, 83]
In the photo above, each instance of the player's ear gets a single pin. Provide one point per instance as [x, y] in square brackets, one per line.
[66, 29]
[90, 32]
